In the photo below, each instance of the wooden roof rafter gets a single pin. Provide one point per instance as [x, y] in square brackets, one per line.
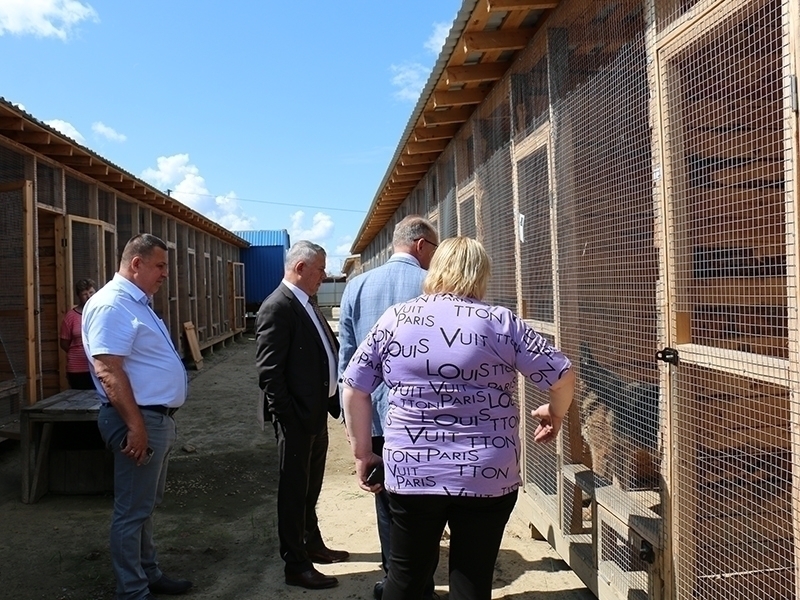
[481, 46]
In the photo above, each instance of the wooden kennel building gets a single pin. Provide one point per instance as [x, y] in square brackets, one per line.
[630, 167]
[66, 214]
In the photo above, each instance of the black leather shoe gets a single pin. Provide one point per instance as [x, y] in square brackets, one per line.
[377, 591]
[312, 580]
[326, 556]
[172, 587]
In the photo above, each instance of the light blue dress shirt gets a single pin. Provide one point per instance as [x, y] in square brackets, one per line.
[118, 320]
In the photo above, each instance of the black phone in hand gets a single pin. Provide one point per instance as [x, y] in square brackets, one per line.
[376, 475]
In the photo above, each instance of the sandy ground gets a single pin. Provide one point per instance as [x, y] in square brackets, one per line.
[217, 525]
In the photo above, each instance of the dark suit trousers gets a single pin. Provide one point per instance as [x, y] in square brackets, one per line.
[302, 460]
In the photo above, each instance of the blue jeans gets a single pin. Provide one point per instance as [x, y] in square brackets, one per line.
[137, 491]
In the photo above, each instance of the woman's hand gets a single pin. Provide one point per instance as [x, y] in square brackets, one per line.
[549, 424]
[364, 467]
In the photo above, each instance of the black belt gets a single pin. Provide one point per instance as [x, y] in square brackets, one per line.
[159, 408]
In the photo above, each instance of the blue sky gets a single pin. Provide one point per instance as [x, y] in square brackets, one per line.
[260, 115]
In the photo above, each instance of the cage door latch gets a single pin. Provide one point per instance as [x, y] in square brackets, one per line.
[668, 355]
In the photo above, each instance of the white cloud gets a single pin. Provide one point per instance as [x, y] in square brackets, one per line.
[44, 18]
[67, 129]
[410, 78]
[183, 179]
[107, 132]
[321, 227]
[436, 41]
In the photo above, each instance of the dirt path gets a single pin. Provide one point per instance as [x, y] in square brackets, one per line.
[217, 523]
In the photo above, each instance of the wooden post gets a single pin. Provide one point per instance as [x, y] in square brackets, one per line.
[28, 293]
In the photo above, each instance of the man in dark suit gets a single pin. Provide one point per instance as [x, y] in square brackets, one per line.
[297, 370]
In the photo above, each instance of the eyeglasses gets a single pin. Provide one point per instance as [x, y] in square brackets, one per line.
[427, 240]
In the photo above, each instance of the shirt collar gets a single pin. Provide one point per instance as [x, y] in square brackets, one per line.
[406, 255]
[298, 293]
[131, 289]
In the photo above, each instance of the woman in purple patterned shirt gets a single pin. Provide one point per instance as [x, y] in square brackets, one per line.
[452, 447]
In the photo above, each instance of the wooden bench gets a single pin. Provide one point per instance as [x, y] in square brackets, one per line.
[36, 434]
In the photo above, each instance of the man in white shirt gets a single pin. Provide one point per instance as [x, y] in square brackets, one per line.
[141, 381]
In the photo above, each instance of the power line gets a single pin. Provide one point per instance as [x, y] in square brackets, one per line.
[331, 208]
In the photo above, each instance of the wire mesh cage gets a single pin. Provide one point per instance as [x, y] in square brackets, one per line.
[78, 197]
[48, 185]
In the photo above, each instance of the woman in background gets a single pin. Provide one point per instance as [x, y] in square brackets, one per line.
[452, 447]
[70, 339]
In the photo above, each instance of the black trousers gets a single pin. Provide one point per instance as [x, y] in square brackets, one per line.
[302, 460]
[476, 530]
[383, 512]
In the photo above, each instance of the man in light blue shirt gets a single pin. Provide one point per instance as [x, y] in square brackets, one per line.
[364, 300]
[141, 381]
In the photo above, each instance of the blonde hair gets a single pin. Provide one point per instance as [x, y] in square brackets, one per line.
[461, 267]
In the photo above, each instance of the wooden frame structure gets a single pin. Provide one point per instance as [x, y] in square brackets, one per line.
[66, 214]
[632, 169]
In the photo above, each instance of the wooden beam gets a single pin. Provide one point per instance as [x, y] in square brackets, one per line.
[52, 149]
[78, 160]
[411, 177]
[426, 147]
[110, 178]
[475, 73]
[417, 159]
[93, 169]
[505, 5]
[30, 137]
[436, 133]
[11, 123]
[448, 117]
[500, 39]
[459, 97]
[406, 169]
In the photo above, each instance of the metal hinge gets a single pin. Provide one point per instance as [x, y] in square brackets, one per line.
[668, 355]
[793, 85]
[63, 242]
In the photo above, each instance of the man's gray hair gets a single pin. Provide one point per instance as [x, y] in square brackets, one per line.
[302, 251]
[411, 228]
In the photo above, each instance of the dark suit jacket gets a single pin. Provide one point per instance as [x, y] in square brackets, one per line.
[292, 364]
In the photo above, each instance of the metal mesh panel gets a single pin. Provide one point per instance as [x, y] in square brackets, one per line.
[668, 11]
[85, 252]
[112, 261]
[541, 462]
[124, 224]
[77, 197]
[536, 249]
[12, 302]
[157, 227]
[12, 166]
[448, 218]
[144, 220]
[465, 155]
[529, 98]
[106, 206]
[494, 197]
[728, 163]
[466, 216]
[48, 185]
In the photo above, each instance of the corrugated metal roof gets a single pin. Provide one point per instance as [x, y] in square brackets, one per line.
[265, 237]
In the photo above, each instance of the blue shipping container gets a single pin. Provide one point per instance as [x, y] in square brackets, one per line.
[263, 264]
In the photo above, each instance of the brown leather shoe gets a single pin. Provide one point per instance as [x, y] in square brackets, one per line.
[311, 579]
[326, 556]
